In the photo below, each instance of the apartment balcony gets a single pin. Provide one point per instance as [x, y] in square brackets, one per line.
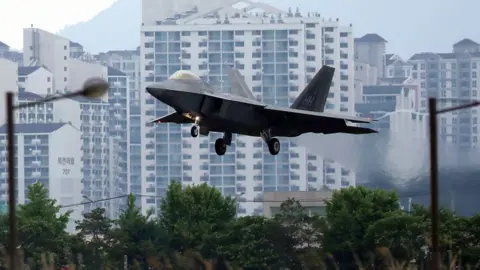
[36, 163]
[36, 141]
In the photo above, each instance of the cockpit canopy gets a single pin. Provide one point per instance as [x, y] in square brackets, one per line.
[184, 75]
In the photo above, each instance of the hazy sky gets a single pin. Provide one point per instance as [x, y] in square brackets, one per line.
[51, 15]
[410, 26]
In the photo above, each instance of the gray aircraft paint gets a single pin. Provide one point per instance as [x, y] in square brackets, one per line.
[187, 93]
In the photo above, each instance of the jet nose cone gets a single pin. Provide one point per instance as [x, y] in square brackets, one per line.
[155, 90]
[151, 90]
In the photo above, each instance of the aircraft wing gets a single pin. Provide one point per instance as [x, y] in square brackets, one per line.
[174, 117]
[235, 98]
[281, 111]
[239, 87]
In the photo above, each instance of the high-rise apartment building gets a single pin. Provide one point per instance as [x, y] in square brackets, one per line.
[278, 53]
[451, 75]
[119, 132]
[128, 62]
[48, 153]
[52, 51]
[64, 69]
[91, 117]
[370, 49]
[7, 53]
[9, 82]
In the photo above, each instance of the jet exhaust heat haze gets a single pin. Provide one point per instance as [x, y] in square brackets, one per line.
[401, 161]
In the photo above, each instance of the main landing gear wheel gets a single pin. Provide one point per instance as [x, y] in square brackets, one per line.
[194, 131]
[220, 147]
[274, 146]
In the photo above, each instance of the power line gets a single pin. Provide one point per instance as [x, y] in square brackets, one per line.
[92, 202]
[418, 194]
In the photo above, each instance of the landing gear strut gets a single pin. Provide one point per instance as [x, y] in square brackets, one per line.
[222, 143]
[272, 143]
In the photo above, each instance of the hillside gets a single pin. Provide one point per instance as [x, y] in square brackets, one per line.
[117, 27]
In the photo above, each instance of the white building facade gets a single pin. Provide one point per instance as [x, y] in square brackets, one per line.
[68, 70]
[50, 154]
[52, 51]
[119, 133]
[91, 117]
[35, 79]
[278, 53]
[128, 61]
[8, 82]
[453, 76]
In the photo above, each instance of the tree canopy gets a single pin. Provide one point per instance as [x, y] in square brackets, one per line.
[197, 228]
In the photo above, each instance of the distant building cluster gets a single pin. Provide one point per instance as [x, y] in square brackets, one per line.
[87, 150]
[388, 85]
[90, 156]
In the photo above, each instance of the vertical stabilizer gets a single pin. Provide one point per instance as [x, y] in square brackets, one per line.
[239, 87]
[314, 96]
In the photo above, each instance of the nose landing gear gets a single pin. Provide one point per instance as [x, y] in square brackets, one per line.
[194, 131]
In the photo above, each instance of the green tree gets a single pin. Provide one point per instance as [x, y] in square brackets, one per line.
[41, 227]
[469, 241]
[349, 214]
[403, 235]
[457, 234]
[139, 237]
[305, 232]
[193, 213]
[254, 241]
[91, 241]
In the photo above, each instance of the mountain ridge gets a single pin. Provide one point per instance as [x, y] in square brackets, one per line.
[435, 27]
[95, 39]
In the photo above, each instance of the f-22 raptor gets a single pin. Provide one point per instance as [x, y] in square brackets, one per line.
[209, 110]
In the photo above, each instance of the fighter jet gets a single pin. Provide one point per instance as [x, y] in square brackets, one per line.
[209, 110]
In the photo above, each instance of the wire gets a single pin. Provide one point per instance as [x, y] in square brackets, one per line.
[417, 194]
[91, 202]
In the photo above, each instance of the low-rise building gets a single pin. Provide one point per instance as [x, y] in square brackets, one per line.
[46, 153]
[313, 201]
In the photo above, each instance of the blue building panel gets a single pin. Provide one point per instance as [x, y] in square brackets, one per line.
[25, 71]
[36, 128]
[28, 96]
[113, 72]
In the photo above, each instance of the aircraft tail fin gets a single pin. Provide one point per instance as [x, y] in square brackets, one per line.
[314, 96]
[239, 87]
